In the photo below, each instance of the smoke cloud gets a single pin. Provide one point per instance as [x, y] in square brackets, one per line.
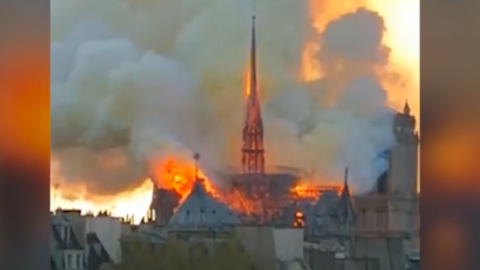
[136, 81]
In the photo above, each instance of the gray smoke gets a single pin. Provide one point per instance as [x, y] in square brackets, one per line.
[136, 81]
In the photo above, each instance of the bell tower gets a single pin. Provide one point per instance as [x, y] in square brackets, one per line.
[402, 175]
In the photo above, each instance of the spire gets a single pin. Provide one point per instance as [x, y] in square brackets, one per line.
[253, 61]
[253, 161]
[406, 108]
[346, 212]
[345, 179]
[196, 156]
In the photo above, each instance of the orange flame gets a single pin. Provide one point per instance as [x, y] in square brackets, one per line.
[247, 82]
[311, 69]
[299, 221]
[313, 192]
[172, 174]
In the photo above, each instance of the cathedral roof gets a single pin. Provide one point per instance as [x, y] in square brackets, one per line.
[201, 211]
[325, 202]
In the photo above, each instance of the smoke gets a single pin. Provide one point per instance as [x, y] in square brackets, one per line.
[136, 81]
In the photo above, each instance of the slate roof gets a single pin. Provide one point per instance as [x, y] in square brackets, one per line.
[325, 202]
[201, 211]
[53, 266]
[339, 208]
[58, 223]
[97, 255]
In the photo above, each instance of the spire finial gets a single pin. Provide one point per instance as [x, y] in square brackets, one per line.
[253, 9]
[196, 156]
[345, 180]
[406, 108]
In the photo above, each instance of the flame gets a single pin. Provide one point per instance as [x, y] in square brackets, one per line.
[299, 220]
[311, 68]
[247, 82]
[312, 192]
[172, 174]
[134, 203]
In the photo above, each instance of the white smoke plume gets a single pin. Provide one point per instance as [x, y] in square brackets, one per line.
[134, 81]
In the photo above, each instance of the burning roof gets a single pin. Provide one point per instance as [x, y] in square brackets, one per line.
[201, 211]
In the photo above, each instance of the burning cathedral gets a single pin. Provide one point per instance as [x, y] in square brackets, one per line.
[266, 199]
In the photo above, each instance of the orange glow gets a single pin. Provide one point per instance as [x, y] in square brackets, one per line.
[134, 202]
[309, 191]
[240, 204]
[321, 13]
[172, 174]
[247, 82]
[175, 175]
[299, 221]
[402, 22]
[311, 68]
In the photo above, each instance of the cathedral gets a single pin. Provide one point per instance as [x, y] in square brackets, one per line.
[390, 209]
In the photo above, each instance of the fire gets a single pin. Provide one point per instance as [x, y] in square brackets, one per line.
[312, 192]
[173, 174]
[299, 220]
[133, 203]
[240, 204]
[247, 82]
[311, 68]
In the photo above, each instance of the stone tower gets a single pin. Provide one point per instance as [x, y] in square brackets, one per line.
[393, 206]
[401, 182]
[402, 175]
[253, 159]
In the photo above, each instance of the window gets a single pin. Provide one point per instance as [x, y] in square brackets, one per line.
[79, 261]
[69, 261]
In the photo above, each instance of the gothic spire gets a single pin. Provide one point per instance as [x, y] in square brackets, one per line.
[253, 161]
[253, 64]
[345, 179]
[346, 210]
[196, 156]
